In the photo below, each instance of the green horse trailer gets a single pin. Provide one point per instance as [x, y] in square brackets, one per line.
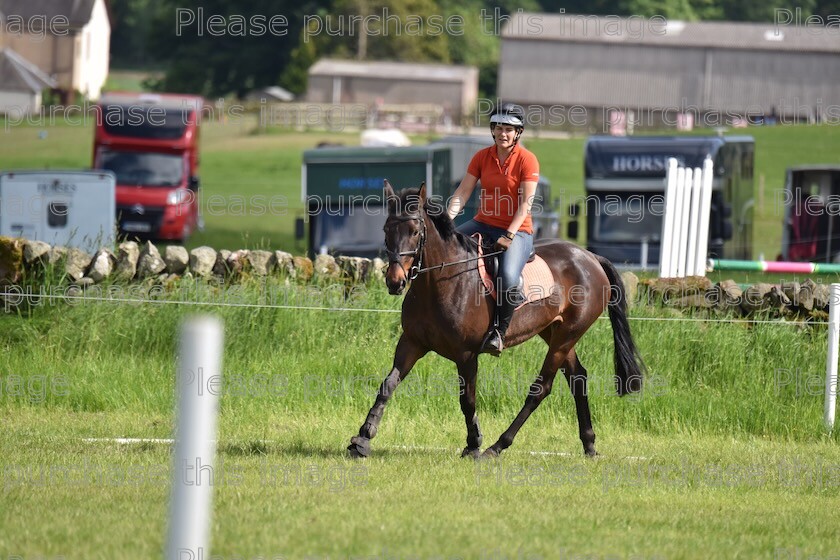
[342, 192]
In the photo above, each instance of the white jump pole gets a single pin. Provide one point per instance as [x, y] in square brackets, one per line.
[831, 365]
[705, 209]
[199, 376]
[694, 223]
[666, 245]
[683, 218]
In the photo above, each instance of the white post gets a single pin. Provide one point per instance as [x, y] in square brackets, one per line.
[198, 384]
[666, 243]
[831, 365]
[705, 208]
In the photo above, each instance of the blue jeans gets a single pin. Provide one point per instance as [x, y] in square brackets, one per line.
[512, 261]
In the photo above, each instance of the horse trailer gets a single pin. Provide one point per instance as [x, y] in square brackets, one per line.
[624, 185]
[68, 208]
[811, 204]
[341, 189]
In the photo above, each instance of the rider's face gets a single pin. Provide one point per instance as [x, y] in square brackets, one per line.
[504, 134]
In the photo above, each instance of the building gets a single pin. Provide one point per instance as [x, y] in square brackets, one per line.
[68, 40]
[21, 85]
[573, 70]
[270, 94]
[451, 87]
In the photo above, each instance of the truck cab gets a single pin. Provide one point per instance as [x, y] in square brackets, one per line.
[150, 143]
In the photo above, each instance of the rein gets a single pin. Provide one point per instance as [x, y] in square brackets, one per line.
[417, 268]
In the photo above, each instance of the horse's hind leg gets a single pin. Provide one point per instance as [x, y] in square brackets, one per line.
[576, 376]
[540, 389]
[405, 356]
[467, 372]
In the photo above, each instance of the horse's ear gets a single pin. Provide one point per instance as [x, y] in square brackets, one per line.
[390, 197]
[422, 194]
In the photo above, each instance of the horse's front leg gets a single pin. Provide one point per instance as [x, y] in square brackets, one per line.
[406, 355]
[467, 372]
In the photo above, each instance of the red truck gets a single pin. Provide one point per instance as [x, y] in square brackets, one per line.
[150, 142]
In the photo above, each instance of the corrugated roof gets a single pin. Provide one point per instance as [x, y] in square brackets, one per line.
[660, 32]
[18, 74]
[77, 12]
[393, 70]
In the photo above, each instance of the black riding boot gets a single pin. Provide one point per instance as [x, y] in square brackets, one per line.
[494, 341]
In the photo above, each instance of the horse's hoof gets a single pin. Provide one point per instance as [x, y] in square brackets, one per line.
[474, 453]
[489, 453]
[591, 453]
[359, 447]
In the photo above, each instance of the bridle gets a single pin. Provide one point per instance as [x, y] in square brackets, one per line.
[417, 253]
[417, 267]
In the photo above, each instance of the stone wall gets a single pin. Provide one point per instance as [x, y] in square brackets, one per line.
[22, 260]
[139, 262]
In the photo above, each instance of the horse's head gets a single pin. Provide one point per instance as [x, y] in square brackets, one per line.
[405, 234]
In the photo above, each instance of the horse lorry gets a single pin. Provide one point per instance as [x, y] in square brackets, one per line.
[341, 190]
[151, 142]
[624, 185]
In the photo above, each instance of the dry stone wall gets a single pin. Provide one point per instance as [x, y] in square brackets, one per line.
[135, 262]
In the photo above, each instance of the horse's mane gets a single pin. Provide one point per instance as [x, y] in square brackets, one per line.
[409, 199]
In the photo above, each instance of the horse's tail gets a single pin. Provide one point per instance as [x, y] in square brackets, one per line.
[629, 368]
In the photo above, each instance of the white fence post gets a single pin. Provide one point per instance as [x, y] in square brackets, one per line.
[831, 365]
[198, 383]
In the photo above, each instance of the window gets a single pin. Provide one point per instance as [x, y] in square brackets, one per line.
[57, 214]
[143, 168]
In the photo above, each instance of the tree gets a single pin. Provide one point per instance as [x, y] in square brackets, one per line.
[241, 53]
[129, 37]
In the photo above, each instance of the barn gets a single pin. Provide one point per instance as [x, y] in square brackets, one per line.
[453, 88]
[67, 40]
[21, 85]
[572, 71]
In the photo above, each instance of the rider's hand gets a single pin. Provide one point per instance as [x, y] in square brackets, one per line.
[502, 243]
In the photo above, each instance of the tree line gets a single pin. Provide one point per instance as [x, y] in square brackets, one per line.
[217, 47]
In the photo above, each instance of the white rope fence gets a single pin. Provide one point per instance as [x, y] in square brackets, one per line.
[218, 304]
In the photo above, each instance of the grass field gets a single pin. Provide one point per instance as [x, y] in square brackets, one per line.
[723, 456]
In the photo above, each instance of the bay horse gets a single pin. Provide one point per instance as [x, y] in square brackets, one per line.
[447, 311]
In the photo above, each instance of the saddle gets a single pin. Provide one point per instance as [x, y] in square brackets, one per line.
[535, 283]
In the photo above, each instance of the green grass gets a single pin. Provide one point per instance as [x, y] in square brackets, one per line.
[129, 80]
[242, 169]
[724, 455]
[735, 462]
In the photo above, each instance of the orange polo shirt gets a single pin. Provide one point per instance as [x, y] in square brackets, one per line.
[499, 197]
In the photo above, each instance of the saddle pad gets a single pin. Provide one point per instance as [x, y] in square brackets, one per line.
[537, 280]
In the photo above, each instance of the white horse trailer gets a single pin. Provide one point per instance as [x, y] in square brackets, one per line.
[68, 208]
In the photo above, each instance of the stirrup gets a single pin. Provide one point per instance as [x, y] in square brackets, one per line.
[493, 343]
